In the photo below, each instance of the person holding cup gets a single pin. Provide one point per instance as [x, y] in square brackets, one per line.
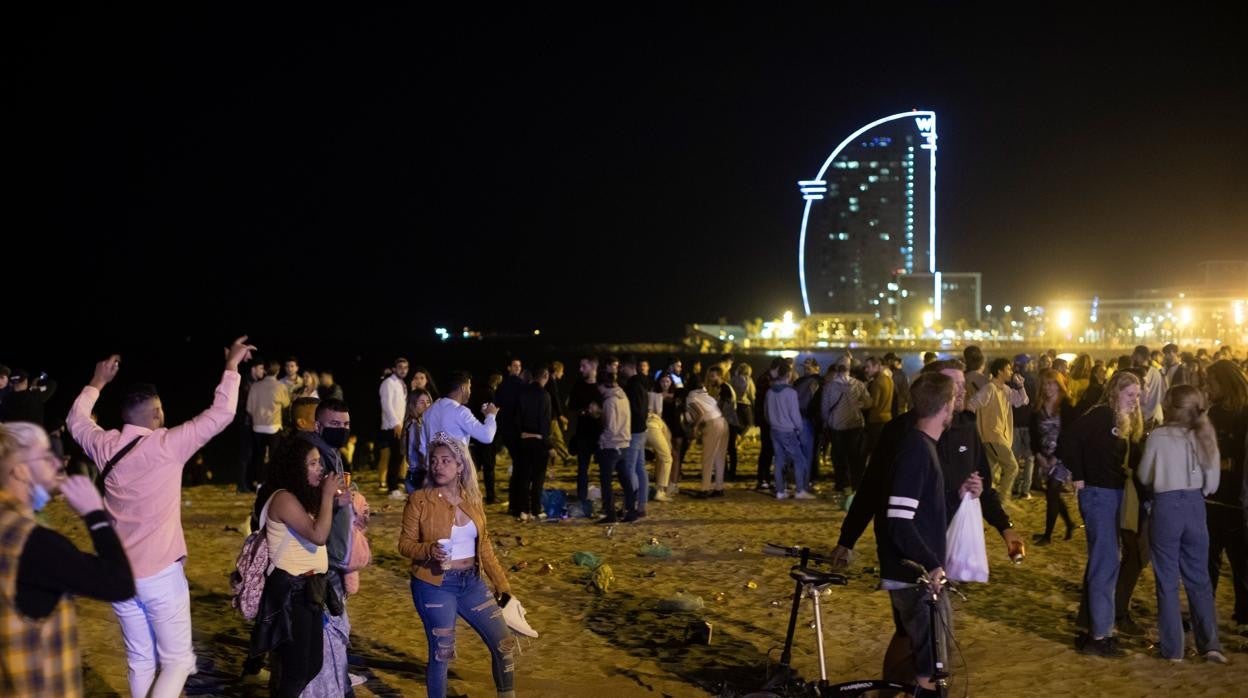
[445, 537]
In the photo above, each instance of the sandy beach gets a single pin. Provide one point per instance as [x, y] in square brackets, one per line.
[1014, 634]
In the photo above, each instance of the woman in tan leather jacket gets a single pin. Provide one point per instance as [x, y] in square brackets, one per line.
[445, 537]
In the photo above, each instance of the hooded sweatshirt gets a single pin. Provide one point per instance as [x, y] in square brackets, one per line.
[781, 408]
[616, 422]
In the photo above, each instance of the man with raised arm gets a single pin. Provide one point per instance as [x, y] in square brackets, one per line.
[142, 495]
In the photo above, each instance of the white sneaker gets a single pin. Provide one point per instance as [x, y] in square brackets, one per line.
[524, 516]
[398, 494]
[782, 495]
[357, 680]
[514, 615]
[661, 496]
[1216, 657]
[541, 516]
[803, 494]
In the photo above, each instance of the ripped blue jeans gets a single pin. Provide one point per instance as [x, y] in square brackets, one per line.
[465, 595]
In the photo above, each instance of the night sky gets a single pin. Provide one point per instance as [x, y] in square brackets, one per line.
[600, 176]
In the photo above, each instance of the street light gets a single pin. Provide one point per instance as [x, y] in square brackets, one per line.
[1064, 319]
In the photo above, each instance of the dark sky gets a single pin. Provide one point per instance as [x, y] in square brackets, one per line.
[606, 176]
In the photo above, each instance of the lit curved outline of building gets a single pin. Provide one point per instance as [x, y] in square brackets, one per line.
[862, 226]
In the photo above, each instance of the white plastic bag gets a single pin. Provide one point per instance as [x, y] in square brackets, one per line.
[966, 558]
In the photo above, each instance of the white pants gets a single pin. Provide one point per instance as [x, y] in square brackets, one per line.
[714, 451]
[156, 627]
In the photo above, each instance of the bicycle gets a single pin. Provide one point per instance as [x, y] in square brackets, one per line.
[786, 682]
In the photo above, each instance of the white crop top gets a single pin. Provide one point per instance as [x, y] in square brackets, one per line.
[464, 541]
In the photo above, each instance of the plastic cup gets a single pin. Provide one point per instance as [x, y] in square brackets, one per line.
[445, 544]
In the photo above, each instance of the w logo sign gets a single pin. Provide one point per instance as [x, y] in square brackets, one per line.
[924, 123]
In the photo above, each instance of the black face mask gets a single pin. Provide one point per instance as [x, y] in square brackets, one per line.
[335, 436]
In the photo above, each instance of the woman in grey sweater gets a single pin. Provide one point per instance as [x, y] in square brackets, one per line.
[1182, 466]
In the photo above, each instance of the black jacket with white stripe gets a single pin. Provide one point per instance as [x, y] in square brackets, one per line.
[914, 511]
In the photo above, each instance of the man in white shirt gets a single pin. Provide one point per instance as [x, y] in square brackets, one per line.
[393, 392]
[449, 415]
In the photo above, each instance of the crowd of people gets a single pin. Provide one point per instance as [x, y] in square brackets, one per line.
[1152, 444]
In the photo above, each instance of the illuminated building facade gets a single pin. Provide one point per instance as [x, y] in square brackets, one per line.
[870, 216]
[960, 298]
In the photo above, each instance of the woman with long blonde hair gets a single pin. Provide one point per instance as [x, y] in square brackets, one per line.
[1182, 466]
[1097, 448]
[445, 537]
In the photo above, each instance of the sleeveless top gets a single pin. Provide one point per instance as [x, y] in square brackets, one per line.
[288, 551]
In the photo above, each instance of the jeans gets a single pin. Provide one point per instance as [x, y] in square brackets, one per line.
[611, 461]
[463, 594]
[789, 448]
[1100, 508]
[808, 448]
[635, 469]
[156, 630]
[1026, 462]
[584, 454]
[1180, 548]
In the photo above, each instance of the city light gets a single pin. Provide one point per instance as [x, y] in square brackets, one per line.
[927, 319]
[442, 333]
[1237, 310]
[1064, 319]
[988, 308]
[1185, 316]
[1006, 308]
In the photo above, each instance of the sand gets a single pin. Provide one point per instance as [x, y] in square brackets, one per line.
[1014, 634]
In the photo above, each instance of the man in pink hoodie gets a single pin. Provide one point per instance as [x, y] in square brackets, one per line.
[143, 497]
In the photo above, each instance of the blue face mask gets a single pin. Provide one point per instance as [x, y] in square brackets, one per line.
[39, 497]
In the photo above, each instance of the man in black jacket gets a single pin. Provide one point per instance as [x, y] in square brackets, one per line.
[528, 473]
[964, 468]
[913, 539]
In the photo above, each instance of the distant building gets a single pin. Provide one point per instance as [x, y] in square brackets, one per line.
[960, 298]
[870, 216]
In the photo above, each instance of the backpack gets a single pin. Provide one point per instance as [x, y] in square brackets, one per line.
[250, 569]
[361, 553]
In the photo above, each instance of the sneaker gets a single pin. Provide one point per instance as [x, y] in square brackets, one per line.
[1104, 647]
[803, 494]
[1216, 657]
[661, 496]
[608, 520]
[514, 615]
[398, 494]
[523, 517]
[762, 487]
[1128, 626]
[357, 680]
[541, 516]
[782, 495]
[717, 493]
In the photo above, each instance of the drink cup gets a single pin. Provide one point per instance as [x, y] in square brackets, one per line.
[445, 544]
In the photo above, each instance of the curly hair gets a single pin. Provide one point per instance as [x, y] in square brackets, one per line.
[289, 471]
